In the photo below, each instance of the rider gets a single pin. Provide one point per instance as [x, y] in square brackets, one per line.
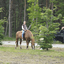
[24, 28]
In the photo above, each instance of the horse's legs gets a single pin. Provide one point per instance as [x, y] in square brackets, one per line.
[27, 43]
[32, 45]
[20, 43]
[16, 43]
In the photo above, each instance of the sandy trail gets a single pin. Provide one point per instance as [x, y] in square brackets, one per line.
[24, 44]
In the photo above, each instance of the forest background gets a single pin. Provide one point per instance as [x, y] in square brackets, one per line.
[17, 9]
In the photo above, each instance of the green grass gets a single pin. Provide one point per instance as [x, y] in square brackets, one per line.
[6, 38]
[57, 42]
[33, 52]
[10, 55]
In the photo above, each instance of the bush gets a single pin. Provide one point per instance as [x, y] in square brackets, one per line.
[46, 43]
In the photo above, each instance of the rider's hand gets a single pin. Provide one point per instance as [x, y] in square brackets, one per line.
[24, 30]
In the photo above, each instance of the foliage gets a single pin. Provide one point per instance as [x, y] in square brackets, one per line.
[34, 16]
[59, 10]
[63, 20]
[35, 11]
[17, 12]
[60, 5]
[2, 28]
[6, 38]
[57, 42]
[48, 29]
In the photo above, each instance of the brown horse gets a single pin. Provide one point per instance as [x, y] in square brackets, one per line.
[28, 36]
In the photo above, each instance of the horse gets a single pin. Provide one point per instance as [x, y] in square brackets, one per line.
[28, 36]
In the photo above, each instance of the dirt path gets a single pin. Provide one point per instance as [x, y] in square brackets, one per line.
[24, 44]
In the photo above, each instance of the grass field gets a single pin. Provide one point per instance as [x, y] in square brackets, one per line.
[6, 38]
[10, 55]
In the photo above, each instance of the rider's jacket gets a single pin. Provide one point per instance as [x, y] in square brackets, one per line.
[24, 27]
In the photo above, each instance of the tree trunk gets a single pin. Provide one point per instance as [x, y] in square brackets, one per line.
[6, 27]
[46, 3]
[10, 24]
[25, 10]
[52, 6]
[15, 20]
[36, 18]
[52, 11]
[47, 49]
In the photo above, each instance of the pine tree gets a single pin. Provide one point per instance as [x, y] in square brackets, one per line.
[1, 28]
[48, 29]
[34, 16]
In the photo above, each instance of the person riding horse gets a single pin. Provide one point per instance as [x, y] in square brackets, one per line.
[28, 36]
[24, 28]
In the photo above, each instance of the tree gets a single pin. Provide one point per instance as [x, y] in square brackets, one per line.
[59, 4]
[19, 12]
[34, 15]
[1, 27]
[24, 10]
[1, 30]
[10, 23]
[48, 29]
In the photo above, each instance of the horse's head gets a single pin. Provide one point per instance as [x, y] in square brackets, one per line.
[30, 37]
[33, 44]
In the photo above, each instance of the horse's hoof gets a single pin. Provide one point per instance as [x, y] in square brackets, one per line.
[20, 47]
[27, 48]
[15, 47]
[33, 48]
